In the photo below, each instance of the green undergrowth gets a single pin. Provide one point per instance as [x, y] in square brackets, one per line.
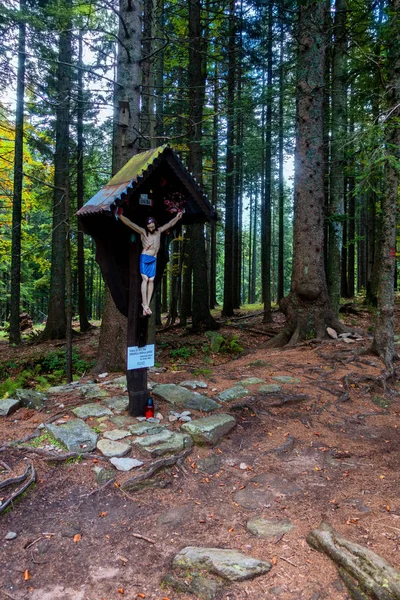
[40, 372]
[46, 439]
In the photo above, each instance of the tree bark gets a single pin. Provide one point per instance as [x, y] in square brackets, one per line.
[338, 136]
[56, 324]
[307, 307]
[383, 342]
[15, 300]
[84, 324]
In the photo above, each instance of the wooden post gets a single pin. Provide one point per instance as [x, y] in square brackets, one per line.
[137, 333]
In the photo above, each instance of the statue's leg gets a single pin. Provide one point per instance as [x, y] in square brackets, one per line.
[145, 304]
[150, 289]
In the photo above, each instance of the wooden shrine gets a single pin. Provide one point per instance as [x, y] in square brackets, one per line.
[153, 183]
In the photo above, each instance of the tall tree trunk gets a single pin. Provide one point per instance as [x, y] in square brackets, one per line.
[201, 316]
[281, 196]
[56, 321]
[351, 231]
[307, 307]
[15, 333]
[84, 324]
[266, 200]
[337, 187]
[214, 195]
[148, 118]
[111, 354]
[384, 328]
[227, 309]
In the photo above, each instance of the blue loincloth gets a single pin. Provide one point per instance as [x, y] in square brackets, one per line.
[148, 265]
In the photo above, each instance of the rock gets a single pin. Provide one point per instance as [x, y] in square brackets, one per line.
[93, 391]
[30, 398]
[345, 335]
[180, 396]
[229, 564]
[172, 418]
[176, 516]
[209, 430]
[119, 382]
[210, 464]
[269, 388]
[125, 464]
[184, 419]
[8, 406]
[91, 410]
[11, 535]
[193, 384]
[145, 428]
[103, 475]
[75, 435]
[269, 488]
[113, 449]
[234, 393]
[159, 416]
[206, 589]
[243, 466]
[216, 340]
[266, 529]
[286, 379]
[152, 420]
[123, 421]
[331, 332]
[117, 403]
[259, 363]
[348, 340]
[102, 375]
[64, 389]
[116, 434]
[165, 442]
[252, 381]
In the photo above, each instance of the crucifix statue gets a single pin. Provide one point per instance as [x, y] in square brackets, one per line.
[150, 237]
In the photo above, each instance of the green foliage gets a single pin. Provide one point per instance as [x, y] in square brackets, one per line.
[232, 346]
[40, 372]
[46, 439]
[183, 353]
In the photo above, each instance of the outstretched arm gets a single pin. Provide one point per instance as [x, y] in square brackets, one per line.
[171, 223]
[132, 225]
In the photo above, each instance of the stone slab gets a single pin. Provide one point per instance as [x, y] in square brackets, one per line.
[8, 406]
[193, 384]
[269, 388]
[113, 449]
[267, 528]
[75, 435]
[145, 428]
[91, 410]
[117, 403]
[229, 564]
[116, 434]
[234, 393]
[180, 396]
[286, 379]
[252, 381]
[165, 442]
[125, 464]
[209, 430]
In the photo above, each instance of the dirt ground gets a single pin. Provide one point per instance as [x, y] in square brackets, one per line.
[75, 538]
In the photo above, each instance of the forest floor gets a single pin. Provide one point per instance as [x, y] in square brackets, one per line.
[328, 448]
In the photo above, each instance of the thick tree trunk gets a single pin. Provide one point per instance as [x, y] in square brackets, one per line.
[201, 317]
[266, 201]
[384, 328]
[227, 309]
[281, 196]
[111, 354]
[307, 307]
[15, 301]
[56, 321]
[84, 324]
[337, 188]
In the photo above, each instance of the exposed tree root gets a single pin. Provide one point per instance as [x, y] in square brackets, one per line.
[156, 466]
[365, 574]
[56, 457]
[22, 488]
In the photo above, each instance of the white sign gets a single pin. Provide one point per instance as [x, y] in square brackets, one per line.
[140, 358]
[144, 200]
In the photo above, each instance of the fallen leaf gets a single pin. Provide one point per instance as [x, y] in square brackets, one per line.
[121, 591]
[27, 575]
[123, 559]
[381, 477]
[231, 529]
[103, 514]
[77, 538]
[388, 508]
[140, 595]
[274, 560]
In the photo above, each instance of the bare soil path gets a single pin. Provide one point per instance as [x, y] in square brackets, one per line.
[324, 448]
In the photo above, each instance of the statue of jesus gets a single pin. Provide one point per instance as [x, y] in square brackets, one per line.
[150, 238]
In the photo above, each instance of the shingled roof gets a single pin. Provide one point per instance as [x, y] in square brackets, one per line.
[137, 172]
